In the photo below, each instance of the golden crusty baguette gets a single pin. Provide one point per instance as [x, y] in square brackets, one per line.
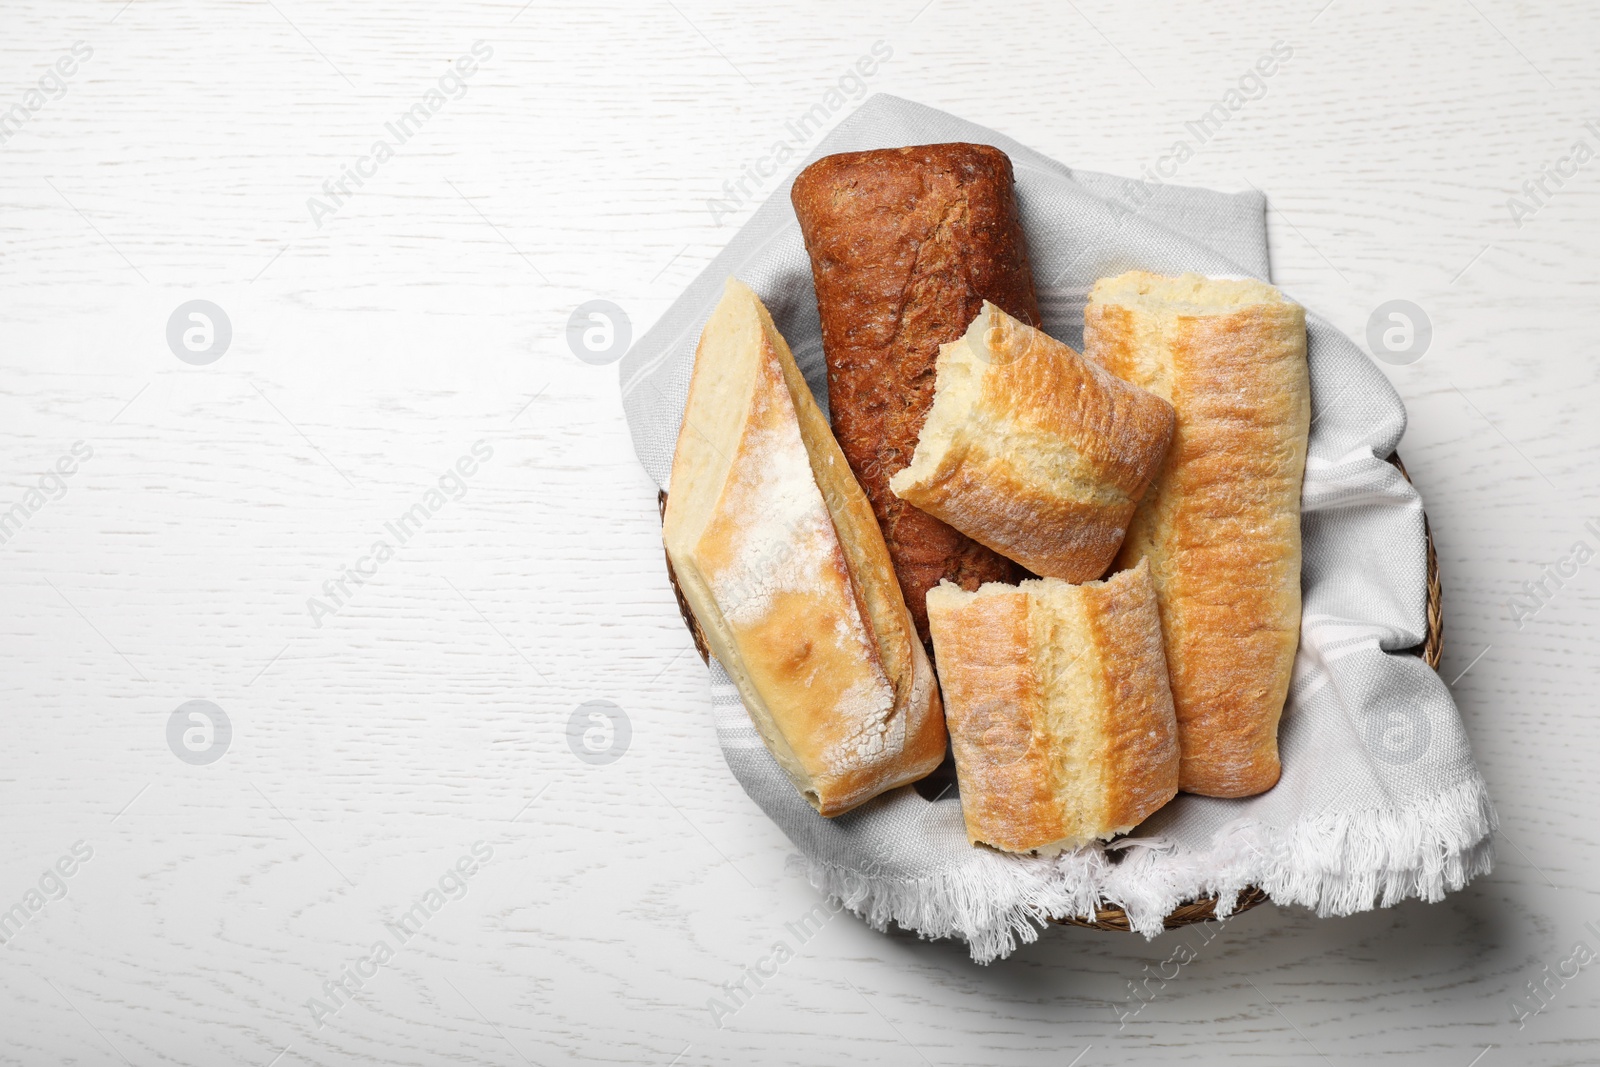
[1058, 706]
[1221, 524]
[1033, 450]
[779, 556]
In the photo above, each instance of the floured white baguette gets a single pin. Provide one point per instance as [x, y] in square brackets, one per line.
[1221, 524]
[1033, 450]
[780, 558]
[1058, 706]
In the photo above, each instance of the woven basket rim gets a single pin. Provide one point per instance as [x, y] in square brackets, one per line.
[1203, 909]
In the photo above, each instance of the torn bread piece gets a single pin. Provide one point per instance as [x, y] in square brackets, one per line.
[780, 558]
[1221, 524]
[1058, 707]
[1033, 450]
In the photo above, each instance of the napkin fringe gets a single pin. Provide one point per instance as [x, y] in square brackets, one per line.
[994, 902]
[1336, 863]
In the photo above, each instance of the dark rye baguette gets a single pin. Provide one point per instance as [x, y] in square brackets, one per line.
[906, 244]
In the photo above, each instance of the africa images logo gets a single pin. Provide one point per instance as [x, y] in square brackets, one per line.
[52, 85]
[454, 481]
[52, 487]
[397, 132]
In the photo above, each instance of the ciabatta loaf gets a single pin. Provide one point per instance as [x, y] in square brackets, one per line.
[780, 558]
[1058, 706]
[1221, 524]
[1033, 450]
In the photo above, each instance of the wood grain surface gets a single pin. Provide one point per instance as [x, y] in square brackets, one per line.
[376, 741]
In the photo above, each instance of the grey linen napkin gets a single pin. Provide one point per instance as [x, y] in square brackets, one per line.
[1379, 800]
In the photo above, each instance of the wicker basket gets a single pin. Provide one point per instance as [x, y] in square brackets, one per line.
[1204, 909]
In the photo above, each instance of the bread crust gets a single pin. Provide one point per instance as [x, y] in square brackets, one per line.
[1058, 707]
[905, 246]
[778, 556]
[994, 712]
[1221, 524]
[1035, 451]
[1141, 753]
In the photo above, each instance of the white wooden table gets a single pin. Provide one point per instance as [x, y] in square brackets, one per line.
[381, 731]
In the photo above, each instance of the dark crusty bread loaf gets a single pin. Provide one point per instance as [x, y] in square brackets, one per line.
[906, 244]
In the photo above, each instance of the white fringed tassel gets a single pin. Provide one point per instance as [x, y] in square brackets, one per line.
[1337, 863]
